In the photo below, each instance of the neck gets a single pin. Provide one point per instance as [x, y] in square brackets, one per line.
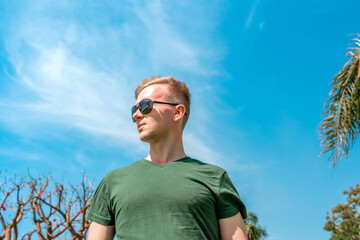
[168, 150]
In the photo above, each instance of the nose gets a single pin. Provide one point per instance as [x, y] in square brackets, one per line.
[137, 115]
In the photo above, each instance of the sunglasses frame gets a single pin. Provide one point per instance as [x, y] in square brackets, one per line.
[146, 109]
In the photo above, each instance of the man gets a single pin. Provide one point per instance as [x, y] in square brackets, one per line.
[166, 195]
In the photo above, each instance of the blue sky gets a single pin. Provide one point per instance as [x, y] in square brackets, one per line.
[259, 73]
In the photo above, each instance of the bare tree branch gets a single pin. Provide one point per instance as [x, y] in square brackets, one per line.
[52, 208]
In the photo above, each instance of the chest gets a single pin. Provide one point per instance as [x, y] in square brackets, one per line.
[157, 190]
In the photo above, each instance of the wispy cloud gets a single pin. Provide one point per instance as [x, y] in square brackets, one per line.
[250, 18]
[20, 154]
[80, 71]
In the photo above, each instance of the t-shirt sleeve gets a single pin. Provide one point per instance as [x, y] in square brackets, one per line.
[100, 210]
[229, 202]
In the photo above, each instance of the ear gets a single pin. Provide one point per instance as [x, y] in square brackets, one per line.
[179, 112]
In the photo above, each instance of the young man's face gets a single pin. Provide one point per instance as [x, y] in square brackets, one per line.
[154, 126]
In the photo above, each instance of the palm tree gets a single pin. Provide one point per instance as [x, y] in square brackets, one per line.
[340, 127]
[253, 230]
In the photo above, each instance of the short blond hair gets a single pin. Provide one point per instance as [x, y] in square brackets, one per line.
[179, 91]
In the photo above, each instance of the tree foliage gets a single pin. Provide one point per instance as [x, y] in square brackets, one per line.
[43, 207]
[253, 230]
[340, 127]
[344, 221]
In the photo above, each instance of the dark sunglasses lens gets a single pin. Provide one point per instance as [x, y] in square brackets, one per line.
[133, 110]
[145, 106]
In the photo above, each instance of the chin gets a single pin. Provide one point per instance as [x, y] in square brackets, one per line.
[148, 136]
[144, 137]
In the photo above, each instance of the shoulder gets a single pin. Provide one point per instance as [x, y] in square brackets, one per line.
[207, 167]
[114, 174]
[205, 164]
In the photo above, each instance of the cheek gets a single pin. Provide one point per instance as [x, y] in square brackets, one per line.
[168, 115]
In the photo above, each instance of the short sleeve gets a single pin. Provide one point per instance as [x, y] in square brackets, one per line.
[229, 202]
[99, 210]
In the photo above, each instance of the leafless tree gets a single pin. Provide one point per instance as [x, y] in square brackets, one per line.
[53, 208]
[14, 203]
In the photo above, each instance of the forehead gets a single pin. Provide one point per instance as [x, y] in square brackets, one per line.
[154, 92]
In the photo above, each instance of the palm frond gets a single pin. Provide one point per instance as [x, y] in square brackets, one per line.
[340, 126]
[253, 230]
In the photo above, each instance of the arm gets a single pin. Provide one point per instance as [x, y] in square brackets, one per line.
[100, 232]
[232, 228]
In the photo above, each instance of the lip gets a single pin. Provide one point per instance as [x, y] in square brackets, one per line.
[140, 125]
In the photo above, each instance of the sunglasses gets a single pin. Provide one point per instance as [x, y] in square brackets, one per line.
[146, 105]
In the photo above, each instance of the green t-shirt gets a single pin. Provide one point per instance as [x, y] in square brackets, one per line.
[182, 199]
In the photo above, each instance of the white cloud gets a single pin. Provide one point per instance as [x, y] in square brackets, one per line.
[81, 74]
[15, 152]
[250, 18]
[261, 26]
[69, 92]
[168, 48]
[199, 149]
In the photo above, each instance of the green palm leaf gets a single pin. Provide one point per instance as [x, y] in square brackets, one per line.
[340, 127]
[253, 230]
